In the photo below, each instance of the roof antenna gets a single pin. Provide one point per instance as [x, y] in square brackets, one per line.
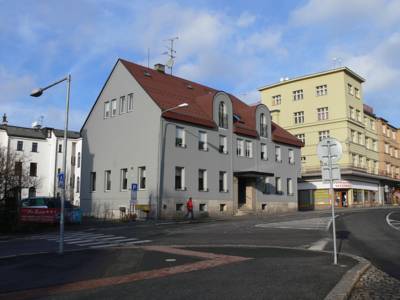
[170, 53]
[148, 58]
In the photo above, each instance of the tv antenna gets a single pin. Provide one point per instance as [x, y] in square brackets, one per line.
[170, 53]
[337, 62]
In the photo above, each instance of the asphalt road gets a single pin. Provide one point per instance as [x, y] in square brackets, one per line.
[366, 233]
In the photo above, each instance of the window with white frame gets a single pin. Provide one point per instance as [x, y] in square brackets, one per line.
[263, 126]
[386, 148]
[355, 160]
[92, 181]
[301, 137]
[323, 134]
[321, 90]
[130, 102]
[353, 136]
[223, 181]
[239, 147]
[396, 153]
[297, 95]
[352, 113]
[113, 107]
[122, 105]
[391, 151]
[393, 135]
[222, 116]
[202, 180]
[179, 178]
[372, 124]
[358, 115]
[107, 180]
[290, 186]
[107, 109]
[249, 149]
[350, 89]
[278, 185]
[276, 100]
[360, 138]
[375, 145]
[298, 117]
[142, 178]
[180, 137]
[291, 156]
[387, 168]
[203, 140]
[357, 92]
[264, 152]
[383, 129]
[322, 113]
[278, 154]
[34, 147]
[223, 146]
[124, 179]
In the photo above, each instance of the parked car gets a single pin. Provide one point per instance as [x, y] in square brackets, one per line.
[47, 210]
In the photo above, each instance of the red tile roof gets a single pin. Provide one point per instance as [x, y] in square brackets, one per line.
[168, 91]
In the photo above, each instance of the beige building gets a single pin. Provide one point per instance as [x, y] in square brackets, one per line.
[330, 104]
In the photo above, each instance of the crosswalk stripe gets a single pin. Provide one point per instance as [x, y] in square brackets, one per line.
[117, 244]
[103, 241]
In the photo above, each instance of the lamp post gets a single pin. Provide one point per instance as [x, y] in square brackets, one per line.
[161, 157]
[37, 93]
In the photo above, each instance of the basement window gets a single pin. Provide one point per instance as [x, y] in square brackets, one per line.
[263, 206]
[179, 207]
[222, 207]
[203, 207]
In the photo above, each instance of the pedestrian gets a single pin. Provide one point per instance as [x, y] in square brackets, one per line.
[189, 206]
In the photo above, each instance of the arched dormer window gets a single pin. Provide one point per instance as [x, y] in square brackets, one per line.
[263, 126]
[222, 116]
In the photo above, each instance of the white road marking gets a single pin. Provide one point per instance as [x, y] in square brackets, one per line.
[90, 240]
[322, 223]
[319, 245]
[395, 224]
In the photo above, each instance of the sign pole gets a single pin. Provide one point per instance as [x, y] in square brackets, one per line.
[331, 193]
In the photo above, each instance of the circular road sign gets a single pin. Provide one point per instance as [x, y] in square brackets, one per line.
[335, 149]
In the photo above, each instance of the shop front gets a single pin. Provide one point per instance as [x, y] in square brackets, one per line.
[347, 193]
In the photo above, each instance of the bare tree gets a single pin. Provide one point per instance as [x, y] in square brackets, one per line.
[15, 175]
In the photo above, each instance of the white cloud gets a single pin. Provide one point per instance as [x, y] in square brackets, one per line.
[246, 19]
[343, 13]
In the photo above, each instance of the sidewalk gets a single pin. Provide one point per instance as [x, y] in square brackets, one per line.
[161, 272]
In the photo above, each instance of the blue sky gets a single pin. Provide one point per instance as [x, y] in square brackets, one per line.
[236, 46]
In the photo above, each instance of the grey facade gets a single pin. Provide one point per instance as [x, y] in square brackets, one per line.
[143, 137]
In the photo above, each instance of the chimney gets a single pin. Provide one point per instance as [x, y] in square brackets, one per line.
[4, 122]
[160, 68]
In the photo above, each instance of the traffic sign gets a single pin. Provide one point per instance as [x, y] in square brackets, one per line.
[326, 176]
[329, 145]
[134, 188]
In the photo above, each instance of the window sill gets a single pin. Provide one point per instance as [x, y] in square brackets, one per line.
[204, 150]
[279, 193]
[264, 159]
[182, 189]
[107, 191]
[206, 190]
[278, 161]
[181, 146]
[144, 189]
[224, 152]
[227, 191]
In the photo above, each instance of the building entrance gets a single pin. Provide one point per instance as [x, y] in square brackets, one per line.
[341, 198]
[246, 192]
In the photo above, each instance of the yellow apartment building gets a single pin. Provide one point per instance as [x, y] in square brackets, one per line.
[330, 104]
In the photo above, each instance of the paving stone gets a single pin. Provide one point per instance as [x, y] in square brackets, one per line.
[375, 284]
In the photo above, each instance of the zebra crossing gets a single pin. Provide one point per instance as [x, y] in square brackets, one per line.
[322, 223]
[90, 240]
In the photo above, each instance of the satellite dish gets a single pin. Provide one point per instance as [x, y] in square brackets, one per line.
[170, 63]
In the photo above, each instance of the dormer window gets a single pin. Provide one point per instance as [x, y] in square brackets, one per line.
[222, 116]
[263, 126]
[236, 118]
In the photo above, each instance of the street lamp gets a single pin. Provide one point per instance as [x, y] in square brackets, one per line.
[161, 156]
[37, 93]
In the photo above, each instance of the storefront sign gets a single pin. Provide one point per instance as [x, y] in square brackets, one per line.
[342, 185]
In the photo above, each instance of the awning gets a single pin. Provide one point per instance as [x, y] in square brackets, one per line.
[252, 174]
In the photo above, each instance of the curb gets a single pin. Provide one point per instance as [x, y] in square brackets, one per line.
[343, 288]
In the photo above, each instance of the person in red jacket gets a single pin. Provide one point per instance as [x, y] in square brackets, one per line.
[189, 206]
